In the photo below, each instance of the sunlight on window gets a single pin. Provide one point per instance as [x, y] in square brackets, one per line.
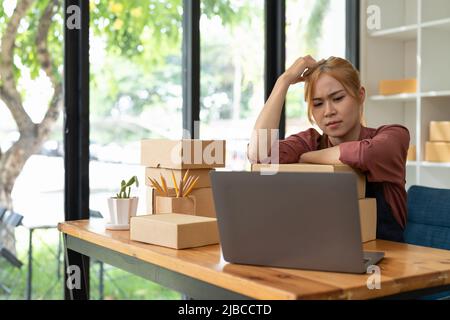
[315, 27]
[232, 75]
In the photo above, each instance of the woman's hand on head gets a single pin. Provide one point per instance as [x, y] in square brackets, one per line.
[296, 73]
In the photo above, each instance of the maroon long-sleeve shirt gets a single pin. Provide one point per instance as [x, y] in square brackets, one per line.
[379, 153]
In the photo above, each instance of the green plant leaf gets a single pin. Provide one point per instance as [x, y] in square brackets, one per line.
[137, 181]
[131, 181]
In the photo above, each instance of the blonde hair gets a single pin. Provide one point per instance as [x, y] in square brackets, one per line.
[341, 70]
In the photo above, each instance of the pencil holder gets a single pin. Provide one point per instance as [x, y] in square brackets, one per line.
[202, 198]
[184, 205]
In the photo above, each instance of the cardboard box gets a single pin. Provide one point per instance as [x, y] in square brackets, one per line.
[440, 131]
[177, 231]
[183, 154]
[202, 199]
[437, 151]
[300, 167]
[411, 153]
[388, 87]
[155, 173]
[368, 219]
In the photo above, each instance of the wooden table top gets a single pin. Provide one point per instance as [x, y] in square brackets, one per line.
[404, 268]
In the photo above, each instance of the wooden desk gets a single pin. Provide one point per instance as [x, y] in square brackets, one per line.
[202, 273]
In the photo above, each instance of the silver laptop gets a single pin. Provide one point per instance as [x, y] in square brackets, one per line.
[292, 220]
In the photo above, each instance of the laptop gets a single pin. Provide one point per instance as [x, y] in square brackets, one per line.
[291, 220]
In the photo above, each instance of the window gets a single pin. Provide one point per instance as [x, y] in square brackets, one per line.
[232, 71]
[135, 88]
[315, 27]
[31, 164]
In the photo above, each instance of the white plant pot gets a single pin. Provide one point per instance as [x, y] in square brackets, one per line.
[120, 212]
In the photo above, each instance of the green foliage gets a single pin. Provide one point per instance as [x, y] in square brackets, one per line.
[122, 78]
[48, 274]
[123, 194]
[129, 28]
[132, 31]
[142, 60]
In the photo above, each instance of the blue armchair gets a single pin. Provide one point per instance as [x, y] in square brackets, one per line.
[429, 221]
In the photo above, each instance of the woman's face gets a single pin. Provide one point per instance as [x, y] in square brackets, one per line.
[336, 112]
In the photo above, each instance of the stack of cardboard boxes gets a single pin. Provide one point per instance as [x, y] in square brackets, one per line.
[367, 206]
[437, 149]
[186, 220]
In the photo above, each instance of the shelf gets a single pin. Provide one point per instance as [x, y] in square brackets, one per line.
[435, 94]
[399, 33]
[414, 42]
[410, 96]
[443, 24]
[395, 97]
[426, 164]
[435, 164]
[409, 32]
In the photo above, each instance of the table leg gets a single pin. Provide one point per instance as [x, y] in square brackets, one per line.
[101, 284]
[30, 265]
[58, 264]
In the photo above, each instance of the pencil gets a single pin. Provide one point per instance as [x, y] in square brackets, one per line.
[186, 176]
[156, 185]
[188, 183]
[164, 184]
[192, 186]
[175, 183]
[159, 186]
[181, 187]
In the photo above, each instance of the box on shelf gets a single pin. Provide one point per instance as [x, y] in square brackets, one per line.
[155, 173]
[437, 151]
[389, 87]
[300, 167]
[177, 231]
[201, 200]
[368, 219]
[183, 154]
[440, 131]
[411, 153]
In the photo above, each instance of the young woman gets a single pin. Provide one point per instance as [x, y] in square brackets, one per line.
[335, 101]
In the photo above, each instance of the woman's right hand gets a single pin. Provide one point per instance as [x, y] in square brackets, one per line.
[296, 72]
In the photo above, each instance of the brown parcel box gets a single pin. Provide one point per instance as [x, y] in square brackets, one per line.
[411, 153]
[203, 201]
[368, 219]
[437, 152]
[183, 154]
[300, 167]
[388, 87]
[155, 173]
[177, 231]
[440, 131]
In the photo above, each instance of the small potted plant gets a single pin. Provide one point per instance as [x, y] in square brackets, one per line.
[122, 207]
